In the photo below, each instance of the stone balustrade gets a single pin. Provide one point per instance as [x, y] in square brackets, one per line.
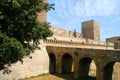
[74, 40]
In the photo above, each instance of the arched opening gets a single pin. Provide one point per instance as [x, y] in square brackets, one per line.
[52, 63]
[92, 69]
[67, 63]
[87, 69]
[116, 71]
[108, 71]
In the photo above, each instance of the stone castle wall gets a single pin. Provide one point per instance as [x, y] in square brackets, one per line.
[37, 64]
[90, 30]
[115, 41]
[65, 33]
[42, 16]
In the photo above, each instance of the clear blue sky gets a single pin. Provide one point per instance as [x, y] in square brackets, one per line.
[69, 14]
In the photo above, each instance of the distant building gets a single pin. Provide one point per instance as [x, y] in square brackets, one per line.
[115, 40]
[91, 29]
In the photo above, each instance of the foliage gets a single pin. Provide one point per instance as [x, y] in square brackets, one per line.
[10, 49]
[19, 27]
[74, 34]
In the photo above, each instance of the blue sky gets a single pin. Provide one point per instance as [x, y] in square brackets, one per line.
[69, 14]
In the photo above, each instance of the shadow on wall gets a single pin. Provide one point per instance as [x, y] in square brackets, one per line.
[67, 63]
[86, 68]
[112, 71]
[52, 63]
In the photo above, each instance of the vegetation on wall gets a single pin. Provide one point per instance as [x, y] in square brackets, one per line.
[20, 30]
[75, 34]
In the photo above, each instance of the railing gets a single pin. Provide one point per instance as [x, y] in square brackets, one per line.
[82, 42]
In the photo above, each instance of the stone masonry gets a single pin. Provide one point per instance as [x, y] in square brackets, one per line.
[90, 29]
[63, 59]
[34, 64]
[65, 33]
[64, 52]
[115, 41]
[42, 16]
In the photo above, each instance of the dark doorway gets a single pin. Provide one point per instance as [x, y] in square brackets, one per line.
[67, 63]
[84, 65]
[108, 71]
[52, 63]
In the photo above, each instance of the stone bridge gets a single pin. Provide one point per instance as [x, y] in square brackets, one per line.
[74, 57]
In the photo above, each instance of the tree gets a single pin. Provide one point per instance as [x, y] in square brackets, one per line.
[19, 26]
[74, 34]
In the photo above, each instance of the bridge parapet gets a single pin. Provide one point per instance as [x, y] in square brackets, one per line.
[61, 39]
[82, 44]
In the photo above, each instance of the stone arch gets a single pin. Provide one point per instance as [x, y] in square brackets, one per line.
[92, 69]
[111, 71]
[108, 71]
[52, 63]
[84, 65]
[67, 63]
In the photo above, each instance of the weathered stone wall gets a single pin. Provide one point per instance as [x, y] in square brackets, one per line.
[104, 60]
[38, 64]
[91, 29]
[115, 41]
[66, 33]
[42, 16]
[74, 41]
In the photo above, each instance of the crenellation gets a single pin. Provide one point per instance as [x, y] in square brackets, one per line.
[66, 33]
[90, 30]
[84, 45]
[90, 34]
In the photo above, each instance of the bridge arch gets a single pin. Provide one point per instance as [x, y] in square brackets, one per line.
[84, 65]
[108, 71]
[67, 63]
[52, 63]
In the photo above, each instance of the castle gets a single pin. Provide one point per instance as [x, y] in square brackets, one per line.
[115, 41]
[60, 52]
[90, 30]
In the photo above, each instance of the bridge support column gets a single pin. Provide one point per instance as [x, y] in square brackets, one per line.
[76, 71]
[99, 75]
[58, 64]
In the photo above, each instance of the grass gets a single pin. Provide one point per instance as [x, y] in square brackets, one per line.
[49, 76]
[33, 77]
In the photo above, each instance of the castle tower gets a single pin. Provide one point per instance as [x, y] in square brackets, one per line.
[91, 29]
[42, 16]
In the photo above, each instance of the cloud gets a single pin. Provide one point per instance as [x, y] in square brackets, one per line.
[85, 8]
[115, 20]
[69, 14]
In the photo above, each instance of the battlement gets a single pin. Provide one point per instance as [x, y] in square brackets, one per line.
[63, 32]
[90, 30]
